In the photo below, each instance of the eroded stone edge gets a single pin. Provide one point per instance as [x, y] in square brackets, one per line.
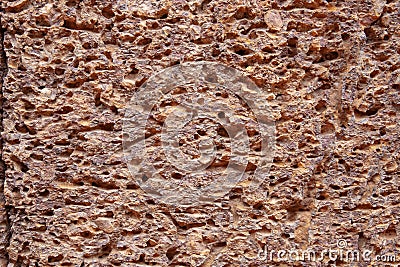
[5, 223]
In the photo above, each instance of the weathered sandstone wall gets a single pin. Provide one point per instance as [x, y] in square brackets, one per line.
[329, 71]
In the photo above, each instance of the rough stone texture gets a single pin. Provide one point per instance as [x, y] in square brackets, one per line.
[329, 69]
[4, 226]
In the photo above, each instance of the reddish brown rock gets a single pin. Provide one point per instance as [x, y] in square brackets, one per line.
[329, 71]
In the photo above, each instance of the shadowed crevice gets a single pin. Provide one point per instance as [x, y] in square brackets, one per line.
[5, 223]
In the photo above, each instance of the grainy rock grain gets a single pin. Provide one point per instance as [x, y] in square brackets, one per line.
[329, 70]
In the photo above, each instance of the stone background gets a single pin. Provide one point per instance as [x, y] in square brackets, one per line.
[329, 69]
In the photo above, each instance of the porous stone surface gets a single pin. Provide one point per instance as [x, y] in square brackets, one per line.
[329, 71]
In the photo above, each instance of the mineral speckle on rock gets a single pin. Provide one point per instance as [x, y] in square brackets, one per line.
[331, 78]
